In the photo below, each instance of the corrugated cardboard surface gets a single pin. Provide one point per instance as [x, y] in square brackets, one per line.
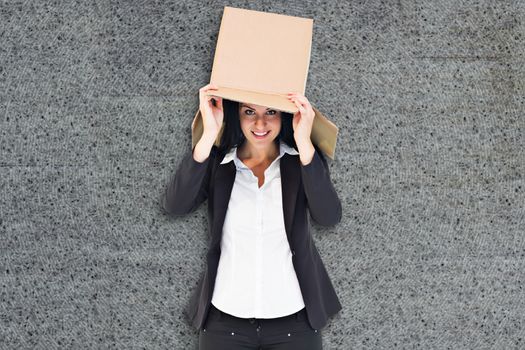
[262, 52]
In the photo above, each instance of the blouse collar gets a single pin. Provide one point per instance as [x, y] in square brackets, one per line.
[232, 154]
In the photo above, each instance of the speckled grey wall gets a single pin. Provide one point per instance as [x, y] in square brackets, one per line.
[96, 102]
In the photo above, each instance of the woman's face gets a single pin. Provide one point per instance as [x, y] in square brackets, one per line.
[260, 120]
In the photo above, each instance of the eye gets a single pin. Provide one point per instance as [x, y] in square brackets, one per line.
[272, 112]
[248, 110]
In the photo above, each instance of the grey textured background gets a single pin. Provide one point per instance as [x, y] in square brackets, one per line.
[96, 102]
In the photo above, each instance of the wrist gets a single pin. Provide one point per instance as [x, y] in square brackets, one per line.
[304, 143]
[208, 138]
[202, 149]
[306, 151]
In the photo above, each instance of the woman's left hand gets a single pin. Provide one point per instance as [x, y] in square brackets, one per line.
[302, 123]
[303, 119]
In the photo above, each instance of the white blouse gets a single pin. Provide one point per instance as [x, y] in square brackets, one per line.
[255, 276]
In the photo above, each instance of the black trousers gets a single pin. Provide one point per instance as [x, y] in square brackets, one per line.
[223, 331]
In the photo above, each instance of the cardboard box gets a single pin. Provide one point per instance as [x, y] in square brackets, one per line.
[259, 58]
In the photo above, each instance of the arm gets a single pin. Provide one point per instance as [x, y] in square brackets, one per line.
[188, 188]
[323, 202]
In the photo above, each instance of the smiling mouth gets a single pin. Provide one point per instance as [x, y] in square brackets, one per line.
[260, 134]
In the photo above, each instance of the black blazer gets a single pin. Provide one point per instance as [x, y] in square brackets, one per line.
[303, 187]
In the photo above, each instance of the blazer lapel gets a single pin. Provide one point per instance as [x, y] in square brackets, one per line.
[290, 178]
[223, 185]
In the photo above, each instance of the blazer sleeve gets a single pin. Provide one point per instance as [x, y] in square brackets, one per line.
[323, 203]
[188, 187]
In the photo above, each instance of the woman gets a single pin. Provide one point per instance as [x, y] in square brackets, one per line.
[265, 286]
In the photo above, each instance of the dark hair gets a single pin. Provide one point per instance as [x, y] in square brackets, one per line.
[232, 135]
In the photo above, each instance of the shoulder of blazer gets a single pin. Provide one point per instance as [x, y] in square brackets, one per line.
[217, 157]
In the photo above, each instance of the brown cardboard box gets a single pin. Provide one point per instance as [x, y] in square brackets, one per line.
[259, 58]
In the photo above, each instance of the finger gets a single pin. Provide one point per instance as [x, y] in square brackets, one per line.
[208, 87]
[303, 99]
[299, 97]
[297, 101]
[205, 101]
[299, 105]
[306, 107]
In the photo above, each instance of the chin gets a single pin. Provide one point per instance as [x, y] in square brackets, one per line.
[265, 140]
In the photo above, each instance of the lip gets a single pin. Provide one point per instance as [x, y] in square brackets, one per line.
[260, 137]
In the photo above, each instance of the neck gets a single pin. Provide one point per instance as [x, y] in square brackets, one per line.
[258, 154]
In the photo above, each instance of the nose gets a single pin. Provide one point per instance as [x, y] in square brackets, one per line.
[260, 121]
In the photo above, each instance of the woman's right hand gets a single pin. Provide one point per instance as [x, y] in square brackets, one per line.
[212, 116]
